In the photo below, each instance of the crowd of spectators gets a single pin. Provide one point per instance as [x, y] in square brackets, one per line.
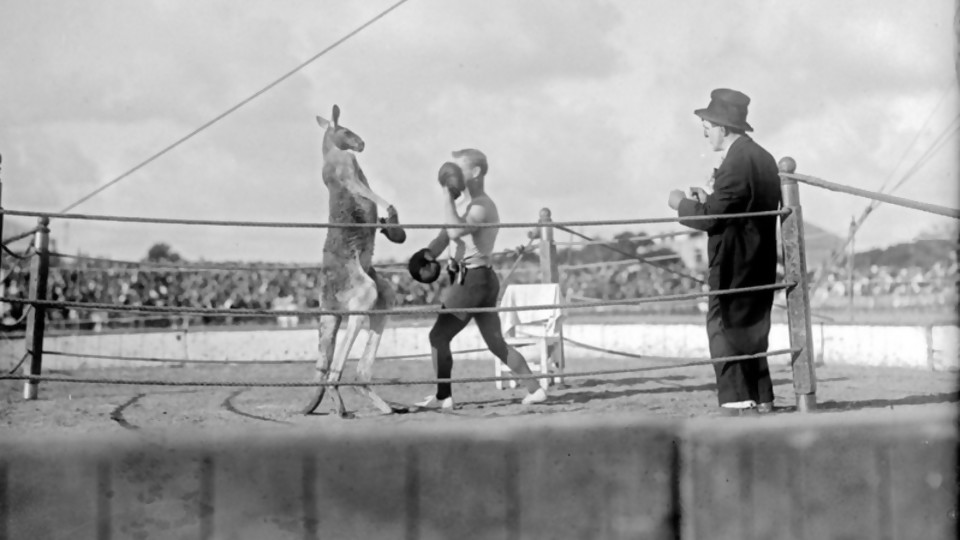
[880, 287]
[264, 287]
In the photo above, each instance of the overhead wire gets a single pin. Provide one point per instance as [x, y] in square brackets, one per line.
[224, 114]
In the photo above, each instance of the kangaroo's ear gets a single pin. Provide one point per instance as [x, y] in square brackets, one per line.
[336, 115]
[324, 123]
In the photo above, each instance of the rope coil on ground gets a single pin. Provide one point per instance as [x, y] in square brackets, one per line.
[515, 377]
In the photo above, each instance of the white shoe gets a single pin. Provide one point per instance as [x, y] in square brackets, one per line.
[431, 402]
[536, 397]
[748, 404]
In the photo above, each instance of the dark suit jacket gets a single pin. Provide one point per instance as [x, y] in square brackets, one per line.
[742, 251]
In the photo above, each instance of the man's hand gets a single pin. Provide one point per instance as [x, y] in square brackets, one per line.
[675, 197]
[699, 194]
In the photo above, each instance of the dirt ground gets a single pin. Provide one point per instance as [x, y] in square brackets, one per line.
[680, 393]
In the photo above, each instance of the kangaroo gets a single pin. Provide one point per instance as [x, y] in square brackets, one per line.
[348, 278]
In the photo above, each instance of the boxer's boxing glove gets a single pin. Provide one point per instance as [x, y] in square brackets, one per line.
[451, 177]
[423, 266]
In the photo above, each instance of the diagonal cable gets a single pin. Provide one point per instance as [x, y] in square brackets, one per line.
[932, 149]
[646, 260]
[235, 107]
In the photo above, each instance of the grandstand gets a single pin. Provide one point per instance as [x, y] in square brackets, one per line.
[921, 276]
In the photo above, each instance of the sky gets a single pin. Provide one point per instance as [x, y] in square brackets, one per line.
[584, 107]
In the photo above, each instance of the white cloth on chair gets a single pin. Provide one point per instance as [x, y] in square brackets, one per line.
[534, 294]
[541, 327]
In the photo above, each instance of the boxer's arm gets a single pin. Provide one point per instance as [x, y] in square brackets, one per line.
[475, 214]
[438, 244]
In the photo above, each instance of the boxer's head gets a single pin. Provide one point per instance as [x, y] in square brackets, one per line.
[472, 162]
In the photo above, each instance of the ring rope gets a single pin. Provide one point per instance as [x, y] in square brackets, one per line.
[639, 237]
[420, 310]
[146, 266]
[635, 257]
[15, 324]
[579, 298]
[20, 236]
[521, 251]
[648, 259]
[615, 263]
[153, 266]
[589, 347]
[315, 384]
[882, 197]
[27, 253]
[251, 362]
[20, 363]
[305, 225]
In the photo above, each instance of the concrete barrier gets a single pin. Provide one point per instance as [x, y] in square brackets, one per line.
[558, 479]
[795, 477]
[822, 476]
[896, 346]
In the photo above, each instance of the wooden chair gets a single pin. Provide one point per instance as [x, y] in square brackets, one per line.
[542, 328]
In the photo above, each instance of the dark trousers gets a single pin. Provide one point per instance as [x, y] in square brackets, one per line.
[480, 288]
[740, 380]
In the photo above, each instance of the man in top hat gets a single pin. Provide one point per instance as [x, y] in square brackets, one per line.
[742, 252]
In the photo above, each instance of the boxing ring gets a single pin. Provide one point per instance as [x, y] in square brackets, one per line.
[801, 345]
[553, 478]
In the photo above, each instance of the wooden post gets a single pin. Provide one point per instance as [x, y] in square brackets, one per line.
[798, 296]
[2, 216]
[548, 251]
[550, 273]
[36, 318]
[931, 352]
[850, 265]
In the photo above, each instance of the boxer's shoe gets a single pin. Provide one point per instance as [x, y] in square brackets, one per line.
[730, 411]
[533, 398]
[740, 408]
[765, 408]
[431, 402]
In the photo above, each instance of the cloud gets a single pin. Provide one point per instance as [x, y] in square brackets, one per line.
[583, 107]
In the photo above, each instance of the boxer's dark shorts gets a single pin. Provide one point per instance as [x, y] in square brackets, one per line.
[480, 288]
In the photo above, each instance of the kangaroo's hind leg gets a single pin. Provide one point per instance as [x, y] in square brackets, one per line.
[329, 325]
[354, 324]
[385, 300]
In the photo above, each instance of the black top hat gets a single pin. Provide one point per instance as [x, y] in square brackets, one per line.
[418, 262]
[727, 108]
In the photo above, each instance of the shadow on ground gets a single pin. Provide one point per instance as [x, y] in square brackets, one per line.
[587, 396]
[923, 399]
